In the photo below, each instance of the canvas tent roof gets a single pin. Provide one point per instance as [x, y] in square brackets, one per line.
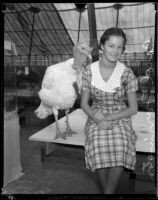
[56, 26]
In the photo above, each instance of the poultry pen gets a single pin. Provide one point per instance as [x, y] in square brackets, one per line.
[28, 85]
[44, 36]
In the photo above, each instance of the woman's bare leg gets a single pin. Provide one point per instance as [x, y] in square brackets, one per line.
[113, 179]
[102, 175]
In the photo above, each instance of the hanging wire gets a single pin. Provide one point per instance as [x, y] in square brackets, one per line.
[117, 7]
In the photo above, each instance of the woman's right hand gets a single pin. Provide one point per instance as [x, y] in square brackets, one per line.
[98, 117]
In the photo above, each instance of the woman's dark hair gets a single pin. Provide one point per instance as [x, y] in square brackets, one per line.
[115, 32]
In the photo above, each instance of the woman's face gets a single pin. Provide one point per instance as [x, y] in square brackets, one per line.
[113, 48]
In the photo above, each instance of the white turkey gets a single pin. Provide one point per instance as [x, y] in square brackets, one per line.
[60, 85]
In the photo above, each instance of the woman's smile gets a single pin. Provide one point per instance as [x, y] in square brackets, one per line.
[113, 48]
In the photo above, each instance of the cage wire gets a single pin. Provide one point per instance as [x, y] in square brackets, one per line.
[10, 89]
[25, 88]
[25, 85]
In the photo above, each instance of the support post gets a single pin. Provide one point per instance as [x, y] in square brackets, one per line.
[93, 31]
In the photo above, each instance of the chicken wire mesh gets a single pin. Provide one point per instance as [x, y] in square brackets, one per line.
[10, 90]
[27, 83]
[29, 79]
[138, 62]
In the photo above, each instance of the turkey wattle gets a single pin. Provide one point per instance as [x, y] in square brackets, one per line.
[59, 84]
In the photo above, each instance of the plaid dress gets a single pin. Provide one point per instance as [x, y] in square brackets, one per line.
[116, 146]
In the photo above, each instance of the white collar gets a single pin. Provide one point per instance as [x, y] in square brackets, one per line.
[113, 81]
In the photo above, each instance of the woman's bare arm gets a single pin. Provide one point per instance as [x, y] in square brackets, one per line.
[131, 110]
[85, 95]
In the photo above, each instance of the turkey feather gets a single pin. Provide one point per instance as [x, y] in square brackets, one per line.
[57, 84]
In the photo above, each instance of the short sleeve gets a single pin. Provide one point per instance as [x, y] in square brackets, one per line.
[131, 81]
[86, 79]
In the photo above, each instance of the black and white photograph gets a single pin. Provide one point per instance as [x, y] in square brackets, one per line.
[79, 100]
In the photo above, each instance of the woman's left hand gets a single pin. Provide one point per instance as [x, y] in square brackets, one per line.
[105, 125]
[106, 117]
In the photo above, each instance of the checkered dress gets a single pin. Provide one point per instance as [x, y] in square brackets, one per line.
[114, 147]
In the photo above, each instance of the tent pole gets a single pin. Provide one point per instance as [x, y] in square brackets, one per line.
[79, 24]
[117, 18]
[30, 49]
[93, 31]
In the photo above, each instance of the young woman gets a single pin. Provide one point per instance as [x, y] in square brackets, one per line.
[110, 138]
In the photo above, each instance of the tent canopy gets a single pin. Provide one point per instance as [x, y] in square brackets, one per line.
[53, 28]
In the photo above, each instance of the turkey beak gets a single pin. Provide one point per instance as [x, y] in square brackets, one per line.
[90, 57]
[76, 68]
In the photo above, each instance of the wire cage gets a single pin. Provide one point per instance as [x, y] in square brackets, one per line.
[143, 67]
[24, 83]
[10, 90]
[27, 83]
[28, 80]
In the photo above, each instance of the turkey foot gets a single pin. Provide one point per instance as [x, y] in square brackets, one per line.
[69, 132]
[59, 134]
